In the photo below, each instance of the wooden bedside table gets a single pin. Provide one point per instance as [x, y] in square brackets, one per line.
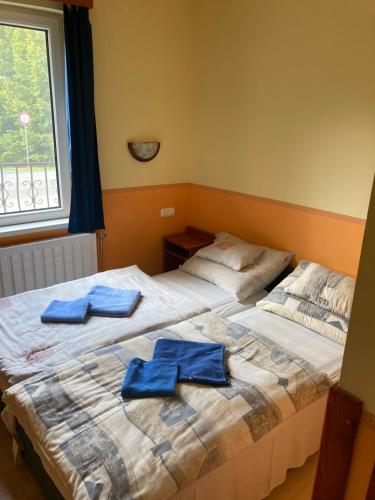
[180, 247]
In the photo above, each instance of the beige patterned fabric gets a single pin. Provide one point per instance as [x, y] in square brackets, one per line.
[325, 288]
[101, 446]
[242, 283]
[231, 254]
[302, 311]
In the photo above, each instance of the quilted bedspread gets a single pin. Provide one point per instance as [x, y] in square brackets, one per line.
[96, 445]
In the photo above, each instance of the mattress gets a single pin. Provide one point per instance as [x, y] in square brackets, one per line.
[207, 294]
[236, 466]
[28, 346]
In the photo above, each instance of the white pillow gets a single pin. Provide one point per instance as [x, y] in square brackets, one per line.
[243, 283]
[325, 288]
[231, 253]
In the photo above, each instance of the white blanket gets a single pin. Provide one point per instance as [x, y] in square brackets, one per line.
[28, 346]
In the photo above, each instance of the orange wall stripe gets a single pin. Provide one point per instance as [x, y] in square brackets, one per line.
[134, 227]
[333, 240]
[286, 204]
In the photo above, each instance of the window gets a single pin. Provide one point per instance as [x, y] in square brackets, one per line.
[34, 167]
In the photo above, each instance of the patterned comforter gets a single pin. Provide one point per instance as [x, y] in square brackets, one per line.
[102, 447]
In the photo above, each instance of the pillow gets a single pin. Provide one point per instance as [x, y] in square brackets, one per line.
[301, 311]
[243, 283]
[231, 253]
[325, 288]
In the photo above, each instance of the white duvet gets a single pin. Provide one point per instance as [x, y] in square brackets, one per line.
[28, 346]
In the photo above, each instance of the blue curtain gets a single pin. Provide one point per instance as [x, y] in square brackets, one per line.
[86, 211]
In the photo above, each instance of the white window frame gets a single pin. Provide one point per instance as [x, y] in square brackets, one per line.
[52, 23]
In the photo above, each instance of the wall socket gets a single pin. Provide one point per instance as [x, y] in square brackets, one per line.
[167, 212]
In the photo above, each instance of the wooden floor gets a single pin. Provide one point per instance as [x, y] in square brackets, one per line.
[17, 483]
[299, 483]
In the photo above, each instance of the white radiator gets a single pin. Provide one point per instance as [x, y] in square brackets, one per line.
[45, 263]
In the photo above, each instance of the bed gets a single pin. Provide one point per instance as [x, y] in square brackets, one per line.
[236, 441]
[29, 346]
[232, 442]
[167, 298]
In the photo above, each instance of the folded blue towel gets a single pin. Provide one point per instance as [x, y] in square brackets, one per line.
[146, 379]
[112, 302]
[72, 311]
[197, 362]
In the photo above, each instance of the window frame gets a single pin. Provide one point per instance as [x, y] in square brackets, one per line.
[52, 23]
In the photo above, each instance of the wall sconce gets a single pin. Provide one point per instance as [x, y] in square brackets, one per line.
[144, 150]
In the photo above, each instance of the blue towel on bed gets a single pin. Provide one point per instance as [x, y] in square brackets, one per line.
[72, 311]
[112, 302]
[146, 379]
[197, 361]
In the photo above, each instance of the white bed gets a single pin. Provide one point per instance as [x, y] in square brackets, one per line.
[207, 294]
[28, 346]
[262, 465]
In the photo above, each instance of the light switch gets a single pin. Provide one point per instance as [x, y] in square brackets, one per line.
[167, 212]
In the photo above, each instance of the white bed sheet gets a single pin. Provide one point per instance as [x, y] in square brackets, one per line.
[209, 295]
[261, 467]
[28, 346]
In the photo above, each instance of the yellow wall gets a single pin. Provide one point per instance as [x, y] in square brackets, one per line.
[358, 371]
[284, 100]
[143, 88]
[270, 98]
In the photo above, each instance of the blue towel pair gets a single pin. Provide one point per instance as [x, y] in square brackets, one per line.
[175, 361]
[100, 301]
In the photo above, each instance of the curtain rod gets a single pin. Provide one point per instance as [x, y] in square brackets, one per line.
[31, 6]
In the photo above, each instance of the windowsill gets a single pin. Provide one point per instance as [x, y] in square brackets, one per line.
[33, 227]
